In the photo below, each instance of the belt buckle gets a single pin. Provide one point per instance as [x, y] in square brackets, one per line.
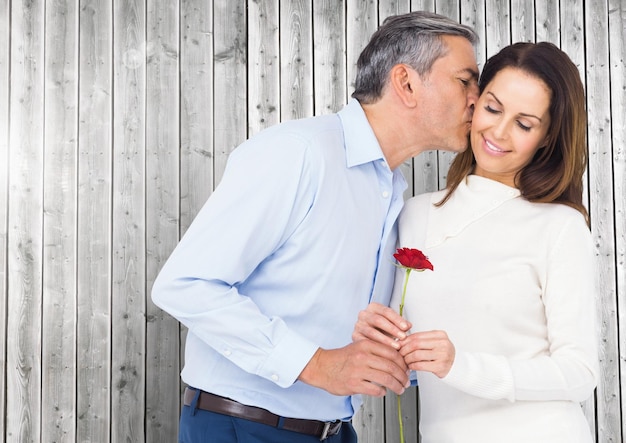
[330, 428]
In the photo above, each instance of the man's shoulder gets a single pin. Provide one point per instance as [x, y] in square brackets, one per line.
[303, 127]
[295, 144]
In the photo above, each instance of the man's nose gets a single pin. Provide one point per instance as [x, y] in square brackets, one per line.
[472, 96]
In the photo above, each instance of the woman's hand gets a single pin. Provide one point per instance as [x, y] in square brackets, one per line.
[430, 351]
[381, 324]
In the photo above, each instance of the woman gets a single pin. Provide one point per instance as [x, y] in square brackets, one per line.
[504, 332]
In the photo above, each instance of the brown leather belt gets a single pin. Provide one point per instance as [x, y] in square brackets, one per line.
[226, 406]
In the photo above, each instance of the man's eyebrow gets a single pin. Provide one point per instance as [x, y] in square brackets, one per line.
[472, 72]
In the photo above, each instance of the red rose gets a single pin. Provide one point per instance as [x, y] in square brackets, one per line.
[413, 259]
[410, 260]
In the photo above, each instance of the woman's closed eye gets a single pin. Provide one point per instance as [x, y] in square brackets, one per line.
[521, 125]
[491, 110]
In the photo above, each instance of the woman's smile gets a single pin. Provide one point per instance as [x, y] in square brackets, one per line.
[492, 148]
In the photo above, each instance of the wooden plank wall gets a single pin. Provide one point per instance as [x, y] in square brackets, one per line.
[116, 121]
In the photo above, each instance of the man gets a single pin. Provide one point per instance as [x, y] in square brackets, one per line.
[298, 238]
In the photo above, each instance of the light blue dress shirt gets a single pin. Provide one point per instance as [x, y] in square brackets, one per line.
[280, 260]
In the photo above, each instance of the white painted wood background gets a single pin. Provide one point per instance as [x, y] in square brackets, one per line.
[116, 120]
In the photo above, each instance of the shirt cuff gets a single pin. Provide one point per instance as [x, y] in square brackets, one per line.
[284, 365]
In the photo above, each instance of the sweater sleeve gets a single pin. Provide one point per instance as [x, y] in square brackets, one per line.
[569, 370]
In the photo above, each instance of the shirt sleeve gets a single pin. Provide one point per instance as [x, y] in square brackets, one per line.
[570, 370]
[265, 192]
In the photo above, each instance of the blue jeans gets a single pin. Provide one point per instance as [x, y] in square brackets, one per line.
[199, 426]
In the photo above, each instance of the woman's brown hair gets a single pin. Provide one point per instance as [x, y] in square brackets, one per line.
[555, 174]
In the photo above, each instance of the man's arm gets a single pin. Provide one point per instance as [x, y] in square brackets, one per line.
[232, 234]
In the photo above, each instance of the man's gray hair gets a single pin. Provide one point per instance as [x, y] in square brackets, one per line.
[413, 39]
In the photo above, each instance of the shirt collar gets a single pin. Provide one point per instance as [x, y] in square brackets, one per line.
[361, 143]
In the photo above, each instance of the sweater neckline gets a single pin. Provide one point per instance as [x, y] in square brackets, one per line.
[477, 183]
[474, 198]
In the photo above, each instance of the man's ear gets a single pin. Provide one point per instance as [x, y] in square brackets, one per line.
[405, 83]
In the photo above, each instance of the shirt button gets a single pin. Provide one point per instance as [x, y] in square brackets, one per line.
[385, 194]
[227, 352]
[274, 377]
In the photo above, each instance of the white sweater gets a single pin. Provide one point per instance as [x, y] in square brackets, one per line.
[513, 286]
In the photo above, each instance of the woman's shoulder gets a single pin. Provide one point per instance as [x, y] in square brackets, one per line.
[417, 208]
[424, 199]
[420, 203]
[557, 213]
[555, 223]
